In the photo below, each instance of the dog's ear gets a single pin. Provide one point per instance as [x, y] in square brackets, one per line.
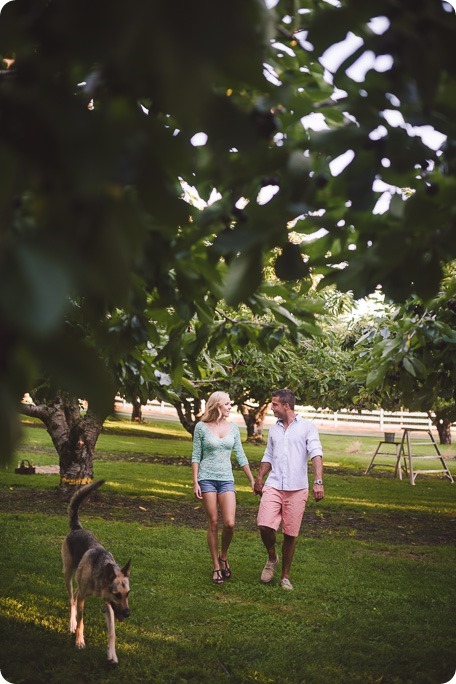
[110, 572]
[126, 570]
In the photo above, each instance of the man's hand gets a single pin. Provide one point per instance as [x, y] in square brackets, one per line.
[258, 486]
[318, 492]
[263, 470]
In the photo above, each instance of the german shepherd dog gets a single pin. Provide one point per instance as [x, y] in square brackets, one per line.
[97, 574]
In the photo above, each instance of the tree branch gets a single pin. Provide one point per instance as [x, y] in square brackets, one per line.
[34, 411]
[236, 322]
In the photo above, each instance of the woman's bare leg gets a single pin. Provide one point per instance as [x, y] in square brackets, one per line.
[210, 507]
[227, 503]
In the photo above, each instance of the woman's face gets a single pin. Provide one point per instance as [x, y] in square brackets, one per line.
[225, 407]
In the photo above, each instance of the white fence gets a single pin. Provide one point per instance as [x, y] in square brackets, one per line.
[377, 420]
[382, 420]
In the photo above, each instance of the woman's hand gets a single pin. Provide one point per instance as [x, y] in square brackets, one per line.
[197, 491]
[258, 487]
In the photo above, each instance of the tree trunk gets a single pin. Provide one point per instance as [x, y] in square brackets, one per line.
[189, 412]
[76, 458]
[254, 417]
[443, 426]
[136, 412]
[74, 436]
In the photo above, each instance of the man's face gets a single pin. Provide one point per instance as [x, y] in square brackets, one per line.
[278, 408]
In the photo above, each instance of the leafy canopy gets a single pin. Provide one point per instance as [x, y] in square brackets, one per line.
[98, 109]
[408, 358]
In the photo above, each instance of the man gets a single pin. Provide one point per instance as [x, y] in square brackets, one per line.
[291, 442]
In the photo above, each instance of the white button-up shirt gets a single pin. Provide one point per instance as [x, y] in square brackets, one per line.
[288, 451]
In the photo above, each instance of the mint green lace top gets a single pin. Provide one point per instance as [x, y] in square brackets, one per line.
[214, 453]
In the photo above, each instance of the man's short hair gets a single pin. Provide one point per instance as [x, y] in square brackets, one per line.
[285, 396]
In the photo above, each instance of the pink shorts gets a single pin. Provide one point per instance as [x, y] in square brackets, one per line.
[278, 507]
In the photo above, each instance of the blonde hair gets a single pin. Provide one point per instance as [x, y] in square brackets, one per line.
[213, 412]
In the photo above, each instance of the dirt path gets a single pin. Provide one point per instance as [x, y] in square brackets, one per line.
[389, 527]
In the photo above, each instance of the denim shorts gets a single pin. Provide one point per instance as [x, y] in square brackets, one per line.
[217, 486]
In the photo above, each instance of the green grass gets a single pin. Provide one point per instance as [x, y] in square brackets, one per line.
[374, 594]
[169, 439]
[359, 612]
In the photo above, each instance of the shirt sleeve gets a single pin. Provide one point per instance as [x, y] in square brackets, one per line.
[314, 447]
[238, 448]
[197, 444]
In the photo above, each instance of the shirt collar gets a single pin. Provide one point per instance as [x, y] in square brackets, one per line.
[296, 419]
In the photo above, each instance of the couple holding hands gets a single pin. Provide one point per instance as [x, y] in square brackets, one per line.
[291, 442]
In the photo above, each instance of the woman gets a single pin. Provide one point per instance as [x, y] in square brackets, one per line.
[213, 482]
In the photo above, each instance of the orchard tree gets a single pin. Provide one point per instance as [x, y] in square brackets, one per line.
[99, 108]
[409, 359]
[252, 377]
[243, 355]
[130, 355]
[314, 372]
[315, 368]
[126, 363]
[94, 214]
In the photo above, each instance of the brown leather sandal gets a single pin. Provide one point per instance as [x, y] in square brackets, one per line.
[226, 572]
[217, 577]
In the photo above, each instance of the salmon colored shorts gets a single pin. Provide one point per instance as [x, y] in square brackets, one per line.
[277, 507]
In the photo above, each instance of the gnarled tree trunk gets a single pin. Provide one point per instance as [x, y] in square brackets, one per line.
[189, 411]
[74, 436]
[254, 417]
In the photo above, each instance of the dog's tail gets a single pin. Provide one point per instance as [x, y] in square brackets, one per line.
[77, 499]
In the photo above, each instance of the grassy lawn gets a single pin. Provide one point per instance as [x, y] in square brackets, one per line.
[374, 597]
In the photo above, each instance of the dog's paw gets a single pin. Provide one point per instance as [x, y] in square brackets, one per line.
[72, 626]
[80, 644]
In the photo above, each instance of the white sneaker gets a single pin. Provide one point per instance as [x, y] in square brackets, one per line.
[269, 570]
[286, 584]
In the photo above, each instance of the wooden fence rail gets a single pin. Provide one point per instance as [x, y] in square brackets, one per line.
[380, 419]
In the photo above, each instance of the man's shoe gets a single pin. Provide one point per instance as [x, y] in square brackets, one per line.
[286, 584]
[269, 570]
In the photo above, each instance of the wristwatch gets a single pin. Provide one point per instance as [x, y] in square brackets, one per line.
[318, 482]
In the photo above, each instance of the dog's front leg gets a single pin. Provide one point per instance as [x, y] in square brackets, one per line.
[80, 643]
[110, 624]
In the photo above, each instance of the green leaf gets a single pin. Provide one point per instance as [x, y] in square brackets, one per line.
[243, 278]
[290, 265]
[409, 367]
[204, 311]
[189, 386]
[34, 289]
[375, 377]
